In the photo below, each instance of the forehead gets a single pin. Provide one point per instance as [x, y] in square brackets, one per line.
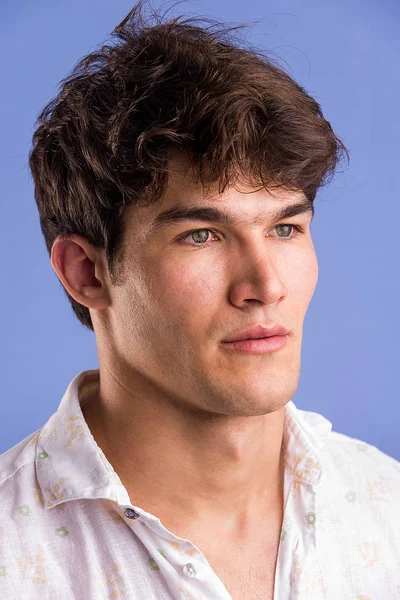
[184, 183]
[240, 205]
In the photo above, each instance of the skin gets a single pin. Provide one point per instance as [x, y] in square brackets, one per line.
[194, 431]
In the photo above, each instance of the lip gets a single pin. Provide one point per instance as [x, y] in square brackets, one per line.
[258, 346]
[258, 331]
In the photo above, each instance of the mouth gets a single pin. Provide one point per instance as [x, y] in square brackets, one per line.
[257, 345]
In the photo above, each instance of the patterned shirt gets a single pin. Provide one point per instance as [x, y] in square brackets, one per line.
[69, 530]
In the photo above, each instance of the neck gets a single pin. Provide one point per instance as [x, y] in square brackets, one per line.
[191, 466]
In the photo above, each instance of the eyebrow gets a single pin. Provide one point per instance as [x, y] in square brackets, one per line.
[182, 212]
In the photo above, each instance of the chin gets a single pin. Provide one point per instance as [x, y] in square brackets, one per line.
[259, 403]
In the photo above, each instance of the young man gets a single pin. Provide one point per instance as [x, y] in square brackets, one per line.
[175, 175]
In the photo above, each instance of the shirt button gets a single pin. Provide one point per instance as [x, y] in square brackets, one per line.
[131, 514]
[189, 570]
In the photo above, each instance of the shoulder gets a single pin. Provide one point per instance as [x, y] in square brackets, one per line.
[356, 453]
[362, 472]
[20, 455]
[18, 475]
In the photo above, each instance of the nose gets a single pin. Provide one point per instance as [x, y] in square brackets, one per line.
[257, 276]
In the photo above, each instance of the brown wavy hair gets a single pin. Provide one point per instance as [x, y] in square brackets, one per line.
[168, 87]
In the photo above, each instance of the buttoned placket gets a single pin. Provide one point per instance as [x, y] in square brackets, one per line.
[190, 570]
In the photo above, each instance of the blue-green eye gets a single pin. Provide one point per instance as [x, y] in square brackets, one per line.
[199, 234]
[284, 225]
[202, 240]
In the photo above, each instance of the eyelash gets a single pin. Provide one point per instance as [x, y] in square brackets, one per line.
[299, 230]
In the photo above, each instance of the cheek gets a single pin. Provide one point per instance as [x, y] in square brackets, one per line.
[304, 278]
[194, 287]
[190, 289]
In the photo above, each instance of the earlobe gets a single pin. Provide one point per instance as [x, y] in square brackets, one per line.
[91, 291]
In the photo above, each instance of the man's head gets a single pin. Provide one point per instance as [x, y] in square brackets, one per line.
[178, 115]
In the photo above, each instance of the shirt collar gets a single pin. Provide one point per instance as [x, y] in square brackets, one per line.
[71, 466]
[305, 437]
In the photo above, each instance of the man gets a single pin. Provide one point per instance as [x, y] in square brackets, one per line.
[175, 176]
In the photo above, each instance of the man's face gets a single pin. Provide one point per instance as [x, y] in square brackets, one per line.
[183, 295]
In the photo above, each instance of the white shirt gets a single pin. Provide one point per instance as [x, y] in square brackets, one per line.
[67, 529]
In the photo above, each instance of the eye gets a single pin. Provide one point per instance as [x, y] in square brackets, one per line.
[201, 236]
[290, 238]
